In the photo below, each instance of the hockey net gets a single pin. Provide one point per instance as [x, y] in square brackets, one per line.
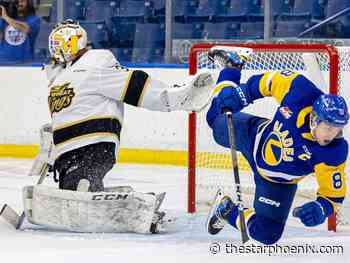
[210, 164]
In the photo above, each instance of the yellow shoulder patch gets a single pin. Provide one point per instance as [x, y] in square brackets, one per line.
[276, 84]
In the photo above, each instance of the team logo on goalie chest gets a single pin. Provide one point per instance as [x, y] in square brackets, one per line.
[60, 97]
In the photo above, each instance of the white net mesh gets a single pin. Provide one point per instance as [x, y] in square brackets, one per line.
[213, 163]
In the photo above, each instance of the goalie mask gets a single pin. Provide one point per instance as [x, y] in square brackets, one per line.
[66, 40]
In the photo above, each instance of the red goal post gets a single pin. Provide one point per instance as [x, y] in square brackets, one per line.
[331, 62]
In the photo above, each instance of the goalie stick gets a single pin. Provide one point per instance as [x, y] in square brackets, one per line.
[231, 134]
[10, 215]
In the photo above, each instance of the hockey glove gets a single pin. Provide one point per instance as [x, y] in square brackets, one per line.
[229, 98]
[233, 98]
[314, 213]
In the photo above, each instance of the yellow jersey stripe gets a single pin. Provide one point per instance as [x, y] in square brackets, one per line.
[331, 180]
[280, 85]
[222, 85]
[264, 84]
[302, 115]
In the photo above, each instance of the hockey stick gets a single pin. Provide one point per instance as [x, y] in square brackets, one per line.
[231, 134]
[10, 215]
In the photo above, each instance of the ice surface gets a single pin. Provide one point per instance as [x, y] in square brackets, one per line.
[186, 240]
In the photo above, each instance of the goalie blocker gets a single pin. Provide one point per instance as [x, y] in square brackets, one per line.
[117, 209]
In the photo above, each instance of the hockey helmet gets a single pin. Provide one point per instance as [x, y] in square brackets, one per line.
[66, 40]
[331, 109]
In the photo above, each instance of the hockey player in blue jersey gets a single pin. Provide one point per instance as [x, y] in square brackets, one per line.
[303, 137]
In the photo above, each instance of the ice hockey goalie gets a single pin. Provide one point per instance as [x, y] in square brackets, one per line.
[87, 92]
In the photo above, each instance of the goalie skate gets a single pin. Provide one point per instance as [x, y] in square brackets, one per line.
[219, 212]
[157, 221]
[162, 223]
[229, 57]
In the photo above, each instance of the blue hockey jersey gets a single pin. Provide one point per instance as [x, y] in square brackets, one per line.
[285, 150]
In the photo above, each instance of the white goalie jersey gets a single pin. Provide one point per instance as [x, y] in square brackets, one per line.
[86, 98]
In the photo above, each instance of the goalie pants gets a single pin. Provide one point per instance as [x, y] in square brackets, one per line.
[91, 162]
[272, 201]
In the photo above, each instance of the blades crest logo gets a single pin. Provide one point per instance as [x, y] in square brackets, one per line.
[60, 97]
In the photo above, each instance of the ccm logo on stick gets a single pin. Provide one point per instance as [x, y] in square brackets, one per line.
[109, 197]
[269, 201]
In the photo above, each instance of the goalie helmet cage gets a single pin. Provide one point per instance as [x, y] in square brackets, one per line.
[321, 63]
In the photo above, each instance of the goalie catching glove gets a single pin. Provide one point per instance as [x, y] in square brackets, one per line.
[194, 95]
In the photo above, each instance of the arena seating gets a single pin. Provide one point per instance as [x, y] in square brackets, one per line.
[97, 32]
[289, 28]
[252, 30]
[135, 29]
[41, 50]
[101, 10]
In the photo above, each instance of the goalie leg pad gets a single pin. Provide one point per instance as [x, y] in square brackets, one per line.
[10, 216]
[45, 155]
[118, 212]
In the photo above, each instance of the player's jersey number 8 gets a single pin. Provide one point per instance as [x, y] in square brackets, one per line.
[337, 182]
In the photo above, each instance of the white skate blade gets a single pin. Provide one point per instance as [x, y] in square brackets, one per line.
[219, 195]
[11, 216]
